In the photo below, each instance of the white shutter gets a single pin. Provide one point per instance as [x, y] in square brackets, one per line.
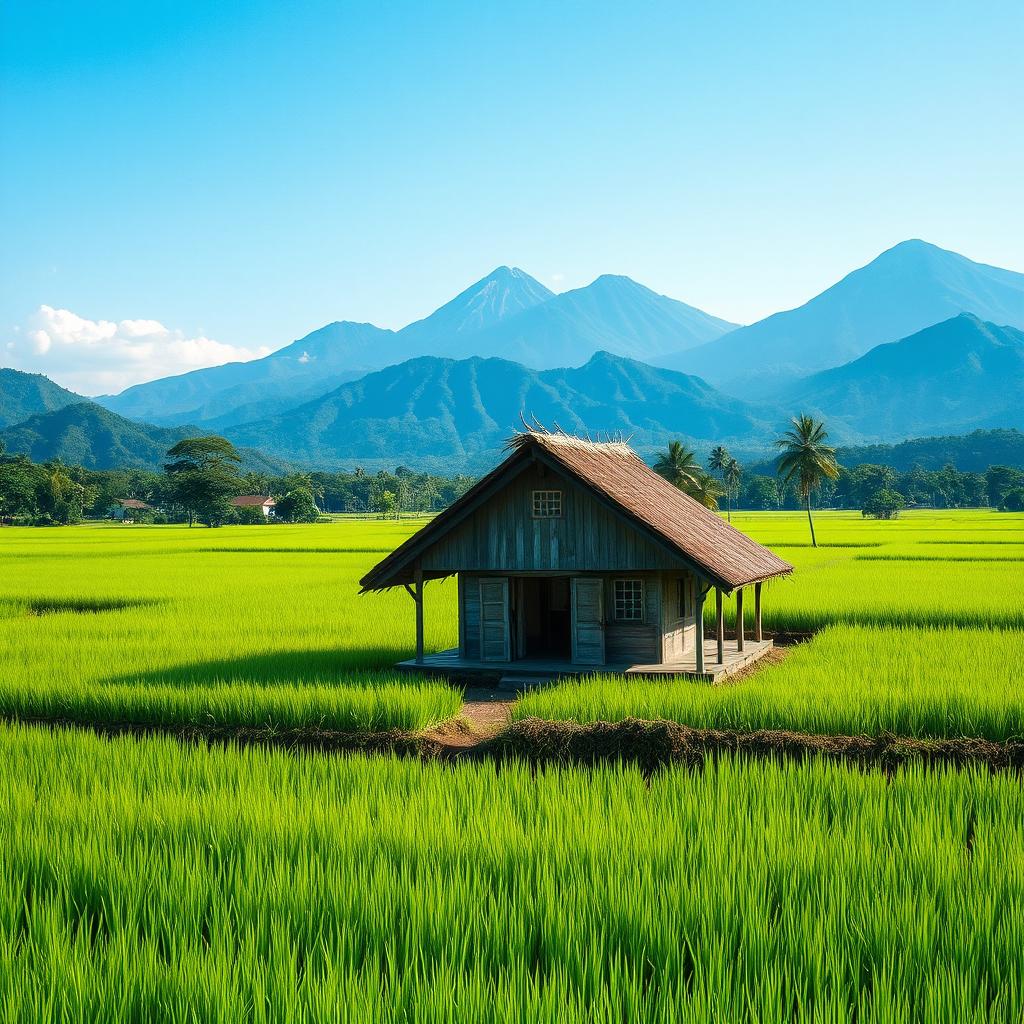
[469, 626]
[494, 631]
[587, 621]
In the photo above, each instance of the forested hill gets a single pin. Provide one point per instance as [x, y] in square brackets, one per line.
[970, 453]
[25, 394]
[86, 434]
[454, 415]
[960, 375]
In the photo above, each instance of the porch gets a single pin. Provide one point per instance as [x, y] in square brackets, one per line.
[719, 664]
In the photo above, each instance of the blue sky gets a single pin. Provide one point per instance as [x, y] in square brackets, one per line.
[238, 174]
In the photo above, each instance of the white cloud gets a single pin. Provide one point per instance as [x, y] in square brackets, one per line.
[40, 342]
[102, 356]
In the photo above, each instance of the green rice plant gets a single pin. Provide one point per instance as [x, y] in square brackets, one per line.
[846, 681]
[141, 880]
[889, 592]
[959, 557]
[142, 625]
[352, 704]
[880, 573]
[106, 613]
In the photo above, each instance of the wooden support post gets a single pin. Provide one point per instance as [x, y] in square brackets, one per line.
[739, 619]
[757, 613]
[699, 623]
[419, 614]
[720, 625]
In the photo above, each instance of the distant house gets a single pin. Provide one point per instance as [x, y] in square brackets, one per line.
[572, 555]
[262, 501]
[127, 509]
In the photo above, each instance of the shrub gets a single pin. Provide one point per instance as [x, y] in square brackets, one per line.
[250, 515]
[297, 506]
[885, 503]
[1013, 501]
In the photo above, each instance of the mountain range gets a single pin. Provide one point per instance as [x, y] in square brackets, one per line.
[959, 375]
[613, 314]
[235, 392]
[438, 413]
[432, 413]
[614, 357]
[907, 288]
[506, 314]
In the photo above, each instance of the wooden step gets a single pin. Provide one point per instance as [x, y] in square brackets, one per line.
[522, 681]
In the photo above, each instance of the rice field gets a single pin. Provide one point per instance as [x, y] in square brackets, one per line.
[144, 880]
[251, 626]
[919, 631]
[933, 569]
[263, 626]
[847, 681]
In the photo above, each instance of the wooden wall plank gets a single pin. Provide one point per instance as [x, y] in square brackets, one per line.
[502, 536]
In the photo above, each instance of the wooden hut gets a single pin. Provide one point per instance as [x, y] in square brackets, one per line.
[572, 556]
[127, 510]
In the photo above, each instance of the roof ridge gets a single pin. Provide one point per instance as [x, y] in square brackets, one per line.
[537, 434]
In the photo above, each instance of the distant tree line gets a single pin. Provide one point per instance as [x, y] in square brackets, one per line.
[807, 469]
[47, 495]
[201, 477]
[385, 493]
[855, 486]
[975, 452]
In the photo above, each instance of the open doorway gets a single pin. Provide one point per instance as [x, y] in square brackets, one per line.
[543, 617]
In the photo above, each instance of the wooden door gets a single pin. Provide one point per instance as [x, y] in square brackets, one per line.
[494, 625]
[587, 620]
[469, 617]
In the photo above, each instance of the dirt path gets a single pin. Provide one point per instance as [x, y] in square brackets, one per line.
[484, 713]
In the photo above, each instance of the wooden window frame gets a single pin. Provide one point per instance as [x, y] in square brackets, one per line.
[544, 500]
[639, 591]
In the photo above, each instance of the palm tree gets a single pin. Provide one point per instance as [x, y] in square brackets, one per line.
[719, 459]
[718, 462]
[679, 466]
[707, 490]
[807, 460]
[731, 474]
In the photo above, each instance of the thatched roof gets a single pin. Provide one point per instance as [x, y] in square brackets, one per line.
[613, 472]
